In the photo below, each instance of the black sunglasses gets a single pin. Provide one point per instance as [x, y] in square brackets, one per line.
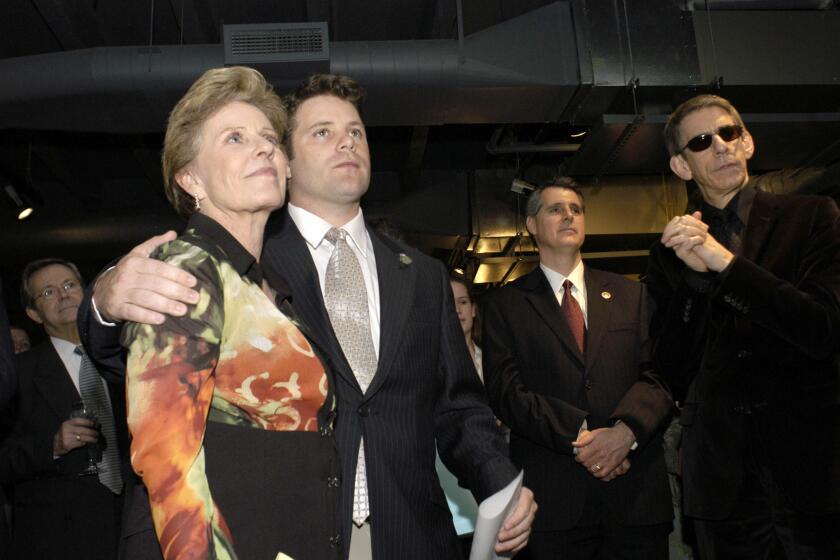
[701, 142]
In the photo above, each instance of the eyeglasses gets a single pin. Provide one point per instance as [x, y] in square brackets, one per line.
[50, 292]
[702, 142]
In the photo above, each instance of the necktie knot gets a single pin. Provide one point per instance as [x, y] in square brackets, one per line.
[567, 286]
[334, 234]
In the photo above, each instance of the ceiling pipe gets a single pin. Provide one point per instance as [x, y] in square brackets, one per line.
[745, 5]
[132, 89]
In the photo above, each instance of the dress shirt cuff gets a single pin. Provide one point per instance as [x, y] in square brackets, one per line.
[96, 313]
[635, 445]
[583, 427]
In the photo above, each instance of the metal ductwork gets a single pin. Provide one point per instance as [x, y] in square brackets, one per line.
[132, 89]
[700, 5]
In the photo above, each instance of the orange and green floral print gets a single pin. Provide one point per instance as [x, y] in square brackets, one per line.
[234, 353]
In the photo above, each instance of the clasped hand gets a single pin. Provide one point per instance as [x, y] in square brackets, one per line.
[603, 452]
[689, 237]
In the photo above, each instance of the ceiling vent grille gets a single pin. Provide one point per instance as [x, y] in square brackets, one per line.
[276, 42]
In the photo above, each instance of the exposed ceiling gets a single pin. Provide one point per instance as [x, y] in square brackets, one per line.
[453, 114]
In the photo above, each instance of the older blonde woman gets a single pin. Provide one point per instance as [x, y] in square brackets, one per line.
[230, 408]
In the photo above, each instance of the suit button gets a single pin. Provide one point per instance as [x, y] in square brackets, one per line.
[335, 541]
[587, 383]
[332, 482]
[364, 411]
[325, 431]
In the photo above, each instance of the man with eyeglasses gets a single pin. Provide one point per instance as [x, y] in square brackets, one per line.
[747, 331]
[59, 511]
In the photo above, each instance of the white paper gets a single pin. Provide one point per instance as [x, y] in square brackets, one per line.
[492, 513]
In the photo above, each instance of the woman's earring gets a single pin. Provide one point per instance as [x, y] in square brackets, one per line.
[197, 203]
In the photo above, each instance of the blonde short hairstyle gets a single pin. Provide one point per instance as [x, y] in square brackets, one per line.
[213, 90]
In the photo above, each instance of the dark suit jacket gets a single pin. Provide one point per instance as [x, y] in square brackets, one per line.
[753, 353]
[8, 379]
[8, 388]
[425, 390]
[57, 514]
[543, 388]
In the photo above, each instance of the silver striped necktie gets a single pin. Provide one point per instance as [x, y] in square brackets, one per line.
[93, 394]
[346, 300]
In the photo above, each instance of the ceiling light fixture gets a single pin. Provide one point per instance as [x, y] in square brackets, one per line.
[22, 208]
[520, 186]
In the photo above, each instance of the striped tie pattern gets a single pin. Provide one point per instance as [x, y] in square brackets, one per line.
[93, 394]
[346, 300]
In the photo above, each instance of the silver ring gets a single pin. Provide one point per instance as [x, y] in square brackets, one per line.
[597, 468]
[78, 437]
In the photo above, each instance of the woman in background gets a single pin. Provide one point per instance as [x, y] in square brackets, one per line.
[461, 502]
[468, 315]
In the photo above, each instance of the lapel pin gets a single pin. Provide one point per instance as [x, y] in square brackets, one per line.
[405, 260]
[606, 295]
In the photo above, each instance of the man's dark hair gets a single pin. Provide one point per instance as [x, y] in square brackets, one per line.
[30, 269]
[342, 87]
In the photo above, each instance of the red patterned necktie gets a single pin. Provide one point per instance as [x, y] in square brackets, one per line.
[573, 315]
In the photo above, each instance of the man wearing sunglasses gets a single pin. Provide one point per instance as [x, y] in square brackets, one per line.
[747, 287]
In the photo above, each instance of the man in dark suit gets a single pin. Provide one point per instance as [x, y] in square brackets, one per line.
[8, 388]
[566, 363]
[405, 380]
[747, 331]
[8, 379]
[58, 513]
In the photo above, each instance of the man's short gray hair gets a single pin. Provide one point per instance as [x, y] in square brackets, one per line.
[534, 203]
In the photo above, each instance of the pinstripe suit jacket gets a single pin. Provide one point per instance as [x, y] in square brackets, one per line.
[425, 390]
[542, 387]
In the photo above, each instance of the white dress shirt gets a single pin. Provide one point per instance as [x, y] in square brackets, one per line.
[313, 229]
[555, 279]
[73, 362]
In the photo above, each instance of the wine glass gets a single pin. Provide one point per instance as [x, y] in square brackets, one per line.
[80, 410]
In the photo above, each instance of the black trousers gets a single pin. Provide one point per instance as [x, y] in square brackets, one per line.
[598, 537]
[600, 542]
[763, 525]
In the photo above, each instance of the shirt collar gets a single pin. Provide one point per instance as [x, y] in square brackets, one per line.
[313, 228]
[242, 261]
[555, 279]
[741, 204]
[745, 203]
[62, 345]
